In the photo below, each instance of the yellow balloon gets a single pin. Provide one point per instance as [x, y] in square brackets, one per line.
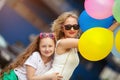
[117, 41]
[96, 43]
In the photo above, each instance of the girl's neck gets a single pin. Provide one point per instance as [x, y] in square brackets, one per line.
[46, 59]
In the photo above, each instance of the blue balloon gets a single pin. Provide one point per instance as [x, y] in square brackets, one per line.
[86, 22]
[114, 50]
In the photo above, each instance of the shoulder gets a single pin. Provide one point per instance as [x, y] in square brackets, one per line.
[59, 48]
[58, 41]
[35, 54]
[33, 60]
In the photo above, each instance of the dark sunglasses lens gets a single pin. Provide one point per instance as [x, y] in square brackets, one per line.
[68, 27]
[76, 27]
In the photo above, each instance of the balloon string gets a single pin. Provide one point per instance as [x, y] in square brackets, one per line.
[114, 26]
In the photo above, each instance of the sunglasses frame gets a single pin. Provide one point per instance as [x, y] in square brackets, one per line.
[45, 35]
[69, 26]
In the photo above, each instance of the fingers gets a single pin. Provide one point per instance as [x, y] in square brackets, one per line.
[59, 77]
[57, 73]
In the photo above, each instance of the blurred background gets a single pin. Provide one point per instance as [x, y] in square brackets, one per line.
[22, 20]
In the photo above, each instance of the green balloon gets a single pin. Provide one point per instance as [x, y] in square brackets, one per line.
[116, 10]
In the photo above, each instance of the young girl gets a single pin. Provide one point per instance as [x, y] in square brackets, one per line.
[35, 61]
[67, 30]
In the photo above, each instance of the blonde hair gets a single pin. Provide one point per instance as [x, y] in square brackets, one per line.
[34, 46]
[57, 24]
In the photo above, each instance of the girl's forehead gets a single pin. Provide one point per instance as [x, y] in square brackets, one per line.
[71, 20]
[46, 40]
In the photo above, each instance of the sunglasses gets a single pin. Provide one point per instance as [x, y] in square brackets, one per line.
[45, 35]
[68, 27]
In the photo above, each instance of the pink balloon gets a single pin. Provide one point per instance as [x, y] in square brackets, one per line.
[99, 9]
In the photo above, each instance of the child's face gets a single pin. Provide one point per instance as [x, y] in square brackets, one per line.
[47, 47]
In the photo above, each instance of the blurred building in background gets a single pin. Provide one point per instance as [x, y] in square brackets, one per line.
[22, 20]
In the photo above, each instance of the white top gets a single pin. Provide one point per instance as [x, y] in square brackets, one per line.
[65, 63]
[36, 62]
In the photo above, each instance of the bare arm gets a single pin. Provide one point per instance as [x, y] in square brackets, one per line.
[73, 43]
[31, 75]
[69, 43]
[66, 44]
[114, 26]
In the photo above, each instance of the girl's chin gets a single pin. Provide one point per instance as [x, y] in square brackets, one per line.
[71, 37]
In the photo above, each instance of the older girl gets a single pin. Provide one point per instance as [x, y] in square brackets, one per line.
[67, 31]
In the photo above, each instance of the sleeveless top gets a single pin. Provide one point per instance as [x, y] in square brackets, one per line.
[65, 63]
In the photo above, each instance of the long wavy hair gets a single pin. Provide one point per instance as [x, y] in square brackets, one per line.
[57, 24]
[34, 46]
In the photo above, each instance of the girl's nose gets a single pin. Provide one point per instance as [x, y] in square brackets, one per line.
[72, 28]
[47, 48]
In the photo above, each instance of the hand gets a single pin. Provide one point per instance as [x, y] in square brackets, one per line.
[56, 76]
